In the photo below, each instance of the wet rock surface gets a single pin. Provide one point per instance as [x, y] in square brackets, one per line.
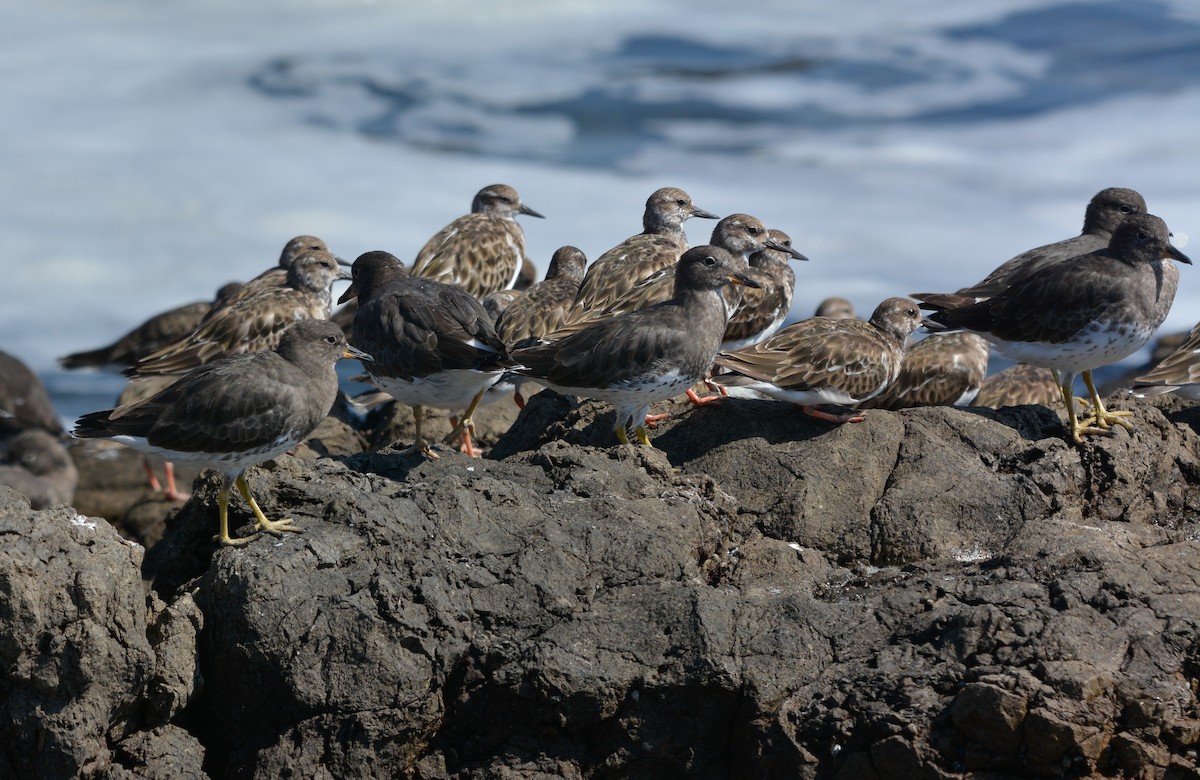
[931, 593]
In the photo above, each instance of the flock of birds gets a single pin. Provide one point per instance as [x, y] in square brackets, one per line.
[245, 377]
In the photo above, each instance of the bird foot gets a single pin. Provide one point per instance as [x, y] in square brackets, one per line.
[653, 419]
[1104, 419]
[225, 540]
[276, 527]
[846, 416]
[421, 448]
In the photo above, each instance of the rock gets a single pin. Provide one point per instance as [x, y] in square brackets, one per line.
[928, 594]
[79, 668]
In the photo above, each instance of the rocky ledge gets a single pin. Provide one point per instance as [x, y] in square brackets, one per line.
[934, 593]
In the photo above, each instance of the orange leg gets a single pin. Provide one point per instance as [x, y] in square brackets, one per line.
[845, 417]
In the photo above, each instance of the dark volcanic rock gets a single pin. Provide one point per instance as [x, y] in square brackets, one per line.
[931, 593]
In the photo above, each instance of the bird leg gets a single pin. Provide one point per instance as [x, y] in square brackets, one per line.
[621, 435]
[420, 445]
[172, 492]
[464, 443]
[848, 416]
[153, 480]
[276, 527]
[643, 439]
[466, 424]
[1078, 427]
[223, 538]
[1100, 417]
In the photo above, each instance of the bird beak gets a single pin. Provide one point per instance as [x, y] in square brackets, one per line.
[1175, 254]
[341, 262]
[742, 279]
[355, 352]
[703, 214]
[778, 247]
[344, 275]
[526, 210]
[350, 293]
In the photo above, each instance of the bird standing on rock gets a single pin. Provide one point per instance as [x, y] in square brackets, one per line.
[236, 411]
[433, 344]
[637, 358]
[1079, 314]
[483, 251]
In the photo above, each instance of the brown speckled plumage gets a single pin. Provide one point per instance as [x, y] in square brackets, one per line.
[944, 369]
[542, 309]
[483, 251]
[252, 323]
[826, 360]
[1019, 385]
[658, 247]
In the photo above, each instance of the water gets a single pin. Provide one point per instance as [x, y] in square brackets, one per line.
[153, 152]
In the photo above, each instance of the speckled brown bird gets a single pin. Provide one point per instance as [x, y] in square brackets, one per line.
[944, 369]
[483, 251]
[657, 248]
[1019, 385]
[252, 323]
[824, 360]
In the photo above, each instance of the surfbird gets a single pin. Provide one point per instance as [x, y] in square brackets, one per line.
[39, 467]
[1178, 372]
[639, 357]
[152, 335]
[24, 402]
[944, 369]
[1083, 313]
[252, 323]
[237, 411]
[433, 344]
[1019, 385]
[1103, 214]
[483, 251]
[657, 248]
[823, 360]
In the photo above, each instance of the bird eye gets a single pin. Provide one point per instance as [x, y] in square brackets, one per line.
[1142, 235]
[1126, 208]
[709, 260]
[752, 229]
[331, 339]
[680, 202]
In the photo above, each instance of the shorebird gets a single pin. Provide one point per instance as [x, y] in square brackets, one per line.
[235, 412]
[252, 323]
[944, 369]
[658, 247]
[1178, 372]
[636, 358]
[432, 344]
[483, 251]
[826, 360]
[40, 468]
[1079, 314]
[1019, 385]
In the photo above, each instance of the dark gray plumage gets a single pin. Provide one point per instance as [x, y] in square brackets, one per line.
[433, 344]
[24, 402]
[639, 357]
[40, 468]
[1081, 314]
[236, 411]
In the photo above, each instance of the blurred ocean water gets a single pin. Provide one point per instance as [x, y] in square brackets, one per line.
[155, 151]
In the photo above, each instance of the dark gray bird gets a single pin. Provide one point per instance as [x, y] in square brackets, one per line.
[483, 251]
[639, 357]
[1104, 213]
[236, 411]
[433, 343]
[1078, 315]
[39, 467]
[24, 402]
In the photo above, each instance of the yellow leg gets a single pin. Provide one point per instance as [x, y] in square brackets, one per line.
[276, 527]
[223, 538]
[466, 423]
[642, 438]
[1079, 428]
[420, 445]
[621, 436]
[1103, 418]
